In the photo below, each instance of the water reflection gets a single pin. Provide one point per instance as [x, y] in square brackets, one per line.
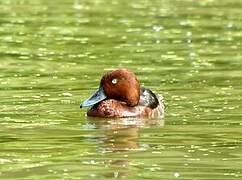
[121, 136]
[122, 123]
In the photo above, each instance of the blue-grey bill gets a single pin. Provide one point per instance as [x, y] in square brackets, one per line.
[98, 96]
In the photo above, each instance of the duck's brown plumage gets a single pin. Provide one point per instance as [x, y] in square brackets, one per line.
[125, 97]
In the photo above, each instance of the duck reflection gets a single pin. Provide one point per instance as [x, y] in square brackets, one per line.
[121, 135]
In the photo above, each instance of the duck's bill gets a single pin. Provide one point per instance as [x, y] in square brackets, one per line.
[98, 96]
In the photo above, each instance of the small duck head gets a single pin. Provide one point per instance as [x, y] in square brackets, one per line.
[119, 84]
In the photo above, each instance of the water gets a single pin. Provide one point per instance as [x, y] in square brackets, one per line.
[53, 54]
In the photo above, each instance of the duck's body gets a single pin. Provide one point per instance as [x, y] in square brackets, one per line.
[120, 95]
[114, 108]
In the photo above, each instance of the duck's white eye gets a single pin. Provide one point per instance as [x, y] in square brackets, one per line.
[114, 81]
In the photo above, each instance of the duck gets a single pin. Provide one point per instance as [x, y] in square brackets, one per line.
[120, 95]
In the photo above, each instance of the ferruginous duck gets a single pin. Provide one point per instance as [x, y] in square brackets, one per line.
[120, 95]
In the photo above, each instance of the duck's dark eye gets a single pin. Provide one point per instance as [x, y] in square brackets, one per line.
[114, 81]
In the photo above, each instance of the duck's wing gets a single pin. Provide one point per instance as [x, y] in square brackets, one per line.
[148, 98]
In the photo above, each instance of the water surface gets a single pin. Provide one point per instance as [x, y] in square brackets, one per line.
[53, 54]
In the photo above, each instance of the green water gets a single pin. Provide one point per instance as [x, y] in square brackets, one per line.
[52, 55]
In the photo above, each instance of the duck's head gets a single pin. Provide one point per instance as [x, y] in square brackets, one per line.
[119, 84]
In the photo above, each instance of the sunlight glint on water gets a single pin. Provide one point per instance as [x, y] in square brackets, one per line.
[53, 54]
